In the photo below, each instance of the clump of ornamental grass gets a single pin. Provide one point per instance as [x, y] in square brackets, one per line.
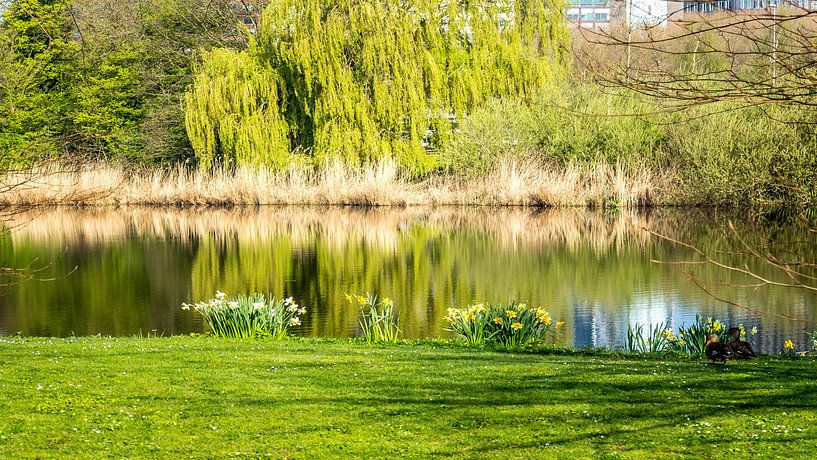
[378, 319]
[251, 316]
[511, 326]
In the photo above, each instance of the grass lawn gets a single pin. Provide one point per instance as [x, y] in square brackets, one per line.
[201, 397]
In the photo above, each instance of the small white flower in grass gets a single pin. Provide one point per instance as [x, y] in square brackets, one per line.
[258, 305]
[220, 295]
[295, 322]
[289, 301]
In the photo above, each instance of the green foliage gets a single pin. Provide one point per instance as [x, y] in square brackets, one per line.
[366, 80]
[690, 340]
[717, 155]
[564, 123]
[378, 320]
[101, 79]
[511, 326]
[654, 342]
[247, 317]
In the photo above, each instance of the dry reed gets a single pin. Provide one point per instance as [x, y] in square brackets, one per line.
[382, 184]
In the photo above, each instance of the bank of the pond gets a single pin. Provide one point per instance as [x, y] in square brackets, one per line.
[205, 398]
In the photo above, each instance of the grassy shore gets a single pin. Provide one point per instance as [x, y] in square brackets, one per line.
[205, 398]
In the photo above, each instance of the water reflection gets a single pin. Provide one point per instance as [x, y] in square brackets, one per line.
[591, 269]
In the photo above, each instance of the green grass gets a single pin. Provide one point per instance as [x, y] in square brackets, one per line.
[201, 397]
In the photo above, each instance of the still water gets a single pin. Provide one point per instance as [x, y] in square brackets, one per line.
[125, 272]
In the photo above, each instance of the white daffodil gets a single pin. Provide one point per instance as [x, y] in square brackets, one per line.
[295, 322]
[258, 305]
[220, 295]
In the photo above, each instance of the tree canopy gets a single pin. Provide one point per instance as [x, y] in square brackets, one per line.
[362, 80]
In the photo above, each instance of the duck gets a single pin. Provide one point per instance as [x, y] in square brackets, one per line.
[716, 351]
[739, 349]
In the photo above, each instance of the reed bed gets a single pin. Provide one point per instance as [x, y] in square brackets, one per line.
[509, 183]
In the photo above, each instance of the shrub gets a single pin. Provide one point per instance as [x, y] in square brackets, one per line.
[378, 320]
[510, 326]
[249, 316]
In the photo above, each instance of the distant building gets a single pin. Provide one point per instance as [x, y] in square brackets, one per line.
[603, 13]
[746, 5]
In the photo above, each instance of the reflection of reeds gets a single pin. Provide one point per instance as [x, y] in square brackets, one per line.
[381, 227]
[383, 183]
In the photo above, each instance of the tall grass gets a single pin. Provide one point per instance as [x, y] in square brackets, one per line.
[514, 182]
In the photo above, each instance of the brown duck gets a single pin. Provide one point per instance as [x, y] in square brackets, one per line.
[739, 349]
[716, 351]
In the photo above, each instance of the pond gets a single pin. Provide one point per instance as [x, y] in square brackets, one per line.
[126, 272]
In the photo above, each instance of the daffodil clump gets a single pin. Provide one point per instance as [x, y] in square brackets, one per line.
[251, 316]
[690, 339]
[509, 326]
[378, 319]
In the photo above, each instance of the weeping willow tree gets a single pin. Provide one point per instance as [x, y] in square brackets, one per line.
[360, 80]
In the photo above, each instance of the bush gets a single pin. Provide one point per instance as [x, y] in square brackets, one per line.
[249, 316]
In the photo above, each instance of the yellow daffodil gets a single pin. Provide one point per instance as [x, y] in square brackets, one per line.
[560, 324]
[499, 321]
[516, 326]
[789, 345]
[511, 314]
